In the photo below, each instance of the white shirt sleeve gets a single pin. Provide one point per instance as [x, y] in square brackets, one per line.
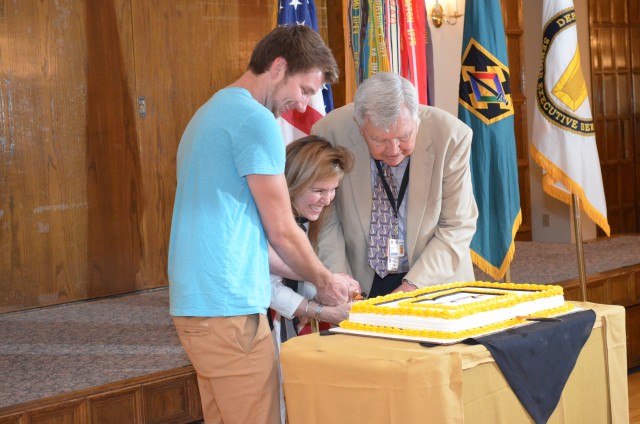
[284, 300]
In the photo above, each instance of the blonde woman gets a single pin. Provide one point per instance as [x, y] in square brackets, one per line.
[314, 169]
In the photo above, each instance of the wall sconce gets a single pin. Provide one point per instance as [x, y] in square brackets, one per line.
[438, 16]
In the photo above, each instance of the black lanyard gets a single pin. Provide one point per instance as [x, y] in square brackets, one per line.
[403, 187]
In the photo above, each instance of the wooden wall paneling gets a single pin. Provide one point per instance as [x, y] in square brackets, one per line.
[11, 253]
[13, 419]
[165, 397]
[335, 40]
[43, 223]
[612, 72]
[634, 124]
[323, 21]
[622, 288]
[633, 336]
[572, 292]
[116, 407]
[113, 155]
[184, 52]
[172, 400]
[599, 289]
[72, 412]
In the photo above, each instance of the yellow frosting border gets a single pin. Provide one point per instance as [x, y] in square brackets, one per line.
[408, 307]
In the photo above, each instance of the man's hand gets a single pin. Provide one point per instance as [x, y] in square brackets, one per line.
[353, 284]
[336, 291]
[406, 286]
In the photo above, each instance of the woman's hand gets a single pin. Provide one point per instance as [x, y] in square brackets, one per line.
[335, 314]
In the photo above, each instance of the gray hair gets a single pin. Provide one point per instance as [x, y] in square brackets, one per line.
[381, 97]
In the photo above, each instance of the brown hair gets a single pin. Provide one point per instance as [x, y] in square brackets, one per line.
[309, 160]
[300, 46]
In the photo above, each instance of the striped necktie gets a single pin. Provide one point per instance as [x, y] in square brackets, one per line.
[383, 223]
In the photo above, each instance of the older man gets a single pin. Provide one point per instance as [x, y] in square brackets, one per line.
[404, 217]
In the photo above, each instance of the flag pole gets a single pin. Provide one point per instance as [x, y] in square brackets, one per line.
[577, 229]
[507, 275]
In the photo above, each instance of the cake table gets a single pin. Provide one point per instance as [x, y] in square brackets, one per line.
[350, 379]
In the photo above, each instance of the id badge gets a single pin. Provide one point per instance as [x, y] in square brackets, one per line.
[395, 248]
[393, 264]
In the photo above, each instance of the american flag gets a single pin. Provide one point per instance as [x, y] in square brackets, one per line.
[293, 123]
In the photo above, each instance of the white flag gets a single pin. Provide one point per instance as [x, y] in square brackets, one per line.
[563, 140]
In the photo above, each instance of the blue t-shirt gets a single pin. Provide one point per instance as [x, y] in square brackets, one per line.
[218, 257]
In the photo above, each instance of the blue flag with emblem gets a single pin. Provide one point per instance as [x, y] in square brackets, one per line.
[485, 105]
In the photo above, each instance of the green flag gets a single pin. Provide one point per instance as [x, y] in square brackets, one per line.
[485, 105]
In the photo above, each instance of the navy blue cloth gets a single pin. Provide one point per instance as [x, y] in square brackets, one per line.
[537, 359]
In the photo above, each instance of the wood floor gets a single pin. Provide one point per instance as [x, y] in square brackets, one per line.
[634, 397]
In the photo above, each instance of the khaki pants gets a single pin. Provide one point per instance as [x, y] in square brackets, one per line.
[234, 358]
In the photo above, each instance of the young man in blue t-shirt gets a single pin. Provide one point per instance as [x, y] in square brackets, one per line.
[231, 204]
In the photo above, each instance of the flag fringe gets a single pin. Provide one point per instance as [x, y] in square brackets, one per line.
[486, 266]
[555, 174]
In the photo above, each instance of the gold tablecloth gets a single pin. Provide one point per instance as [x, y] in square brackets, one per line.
[350, 379]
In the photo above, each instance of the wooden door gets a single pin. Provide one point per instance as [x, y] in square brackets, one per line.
[615, 78]
[43, 206]
[87, 175]
[185, 50]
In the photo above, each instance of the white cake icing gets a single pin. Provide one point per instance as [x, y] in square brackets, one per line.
[457, 310]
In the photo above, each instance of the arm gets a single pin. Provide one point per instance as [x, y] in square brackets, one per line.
[289, 241]
[405, 286]
[289, 303]
[284, 300]
[456, 222]
[278, 267]
[331, 314]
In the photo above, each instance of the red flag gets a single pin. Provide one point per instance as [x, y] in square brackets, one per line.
[413, 49]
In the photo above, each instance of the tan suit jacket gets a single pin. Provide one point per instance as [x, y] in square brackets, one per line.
[441, 209]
